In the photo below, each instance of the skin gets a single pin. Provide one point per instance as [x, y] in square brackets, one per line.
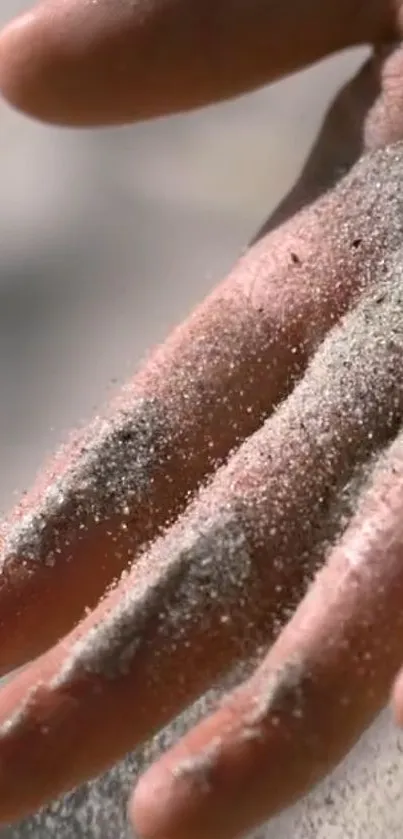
[76, 63]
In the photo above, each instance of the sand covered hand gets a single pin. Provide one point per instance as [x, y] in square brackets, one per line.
[241, 501]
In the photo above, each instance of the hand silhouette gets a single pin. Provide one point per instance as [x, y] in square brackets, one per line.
[246, 487]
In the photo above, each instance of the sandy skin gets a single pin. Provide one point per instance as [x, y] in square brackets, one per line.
[215, 479]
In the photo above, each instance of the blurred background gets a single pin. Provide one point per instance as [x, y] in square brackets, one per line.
[108, 238]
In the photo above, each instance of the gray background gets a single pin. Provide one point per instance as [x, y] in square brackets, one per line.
[107, 239]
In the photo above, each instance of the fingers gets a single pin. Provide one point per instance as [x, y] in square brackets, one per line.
[210, 386]
[220, 583]
[68, 61]
[131, 472]
[321, 685]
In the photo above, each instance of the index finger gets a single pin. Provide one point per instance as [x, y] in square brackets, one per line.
[115, 61]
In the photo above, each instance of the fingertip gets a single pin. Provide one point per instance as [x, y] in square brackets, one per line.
[153, 808]
[397, 700]
[47, 65]
[178, 796]
[20, 63]
[34, 66]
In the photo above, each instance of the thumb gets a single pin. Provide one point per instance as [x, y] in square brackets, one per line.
[92, 62]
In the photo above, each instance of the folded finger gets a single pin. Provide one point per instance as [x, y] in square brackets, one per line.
[68, 61]
[220, 582]
[321, 685]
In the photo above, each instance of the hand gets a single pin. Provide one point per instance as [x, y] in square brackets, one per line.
[260, 444]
